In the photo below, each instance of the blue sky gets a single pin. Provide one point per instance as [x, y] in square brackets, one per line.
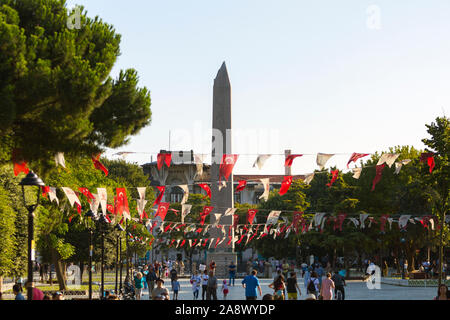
[310, 76]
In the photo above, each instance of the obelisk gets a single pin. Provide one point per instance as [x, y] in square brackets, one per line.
[223, 199]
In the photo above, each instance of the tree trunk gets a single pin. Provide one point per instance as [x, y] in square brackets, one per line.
[59, 270]
[1, 284]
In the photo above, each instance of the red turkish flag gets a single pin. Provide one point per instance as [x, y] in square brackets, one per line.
[334, 176]
[78, 208]
[98, 165]
[122, 201]
[164, 157]
[161, 189]
[110, 208]
[87, 193]
[251, 213]
[298, 216]
[290, 158]
[242, 237]
[226, 167]
[45, 190]
[229, 241]
[285, 185]
[162, 210]
[379, 170]
[206, 211]
[19, 164]
[217, 242]
[195, 242]
[339, 221]
[241, 186]
[429, 159]
[182, 243]
[206, 241]
[383, 220]
[355, 156]
[235, 221]
[205, 187]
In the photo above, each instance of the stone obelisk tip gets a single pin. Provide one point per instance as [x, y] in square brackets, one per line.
[222, 78]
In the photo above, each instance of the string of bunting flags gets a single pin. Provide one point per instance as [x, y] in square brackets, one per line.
[121, 209]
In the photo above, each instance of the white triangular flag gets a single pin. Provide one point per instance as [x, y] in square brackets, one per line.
[190, 243]
[265, 183]
[356, 172]
[52, 195]
[403, 220]
[211, 242]
[362, 218]
[273, 217]
[59, 159]
[71, 196]
[221, 185]
[261, 160]
[185, 210]
[141, 192]
[318, 218]
[185, 189]
[308, 178]
[322, 159]
[103, 198]
[199, 163]
[229, 212]
[388, 158]
[95, 203]
[398, 165]
[390, 223]
[178, 243]
[355, 221]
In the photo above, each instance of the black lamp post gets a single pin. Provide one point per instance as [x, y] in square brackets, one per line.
[31, 180]
[118, 228]
[91, 215]
[103, 222]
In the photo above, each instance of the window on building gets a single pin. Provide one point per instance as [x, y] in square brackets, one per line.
[176, 194]
[237, 197]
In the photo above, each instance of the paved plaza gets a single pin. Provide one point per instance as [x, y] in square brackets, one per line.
[355, 290]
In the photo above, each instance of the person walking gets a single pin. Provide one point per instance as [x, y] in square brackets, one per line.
[175, 288]
[285, 268]
[150, 279]
[144, 275]
[250, 283]
[17, 290]
[195, 282]
[313, 284]
[292, 287]
[339, 283]
[173, 274]
[231, 272]
[211, 287]
[160, 292]
[327, 288]
[138, 285]
[205, 278]
[224, 289]
[279, 288]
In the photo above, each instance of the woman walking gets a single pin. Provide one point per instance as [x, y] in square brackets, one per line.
[327, 288]
[138, 285]
[278, 286]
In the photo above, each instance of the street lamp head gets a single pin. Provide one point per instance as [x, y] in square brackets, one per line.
[89, 214]
[102, 219]
[31, 179]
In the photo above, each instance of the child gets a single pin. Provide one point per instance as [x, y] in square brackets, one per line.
[175, 288]
[195, 281]
[225, 289]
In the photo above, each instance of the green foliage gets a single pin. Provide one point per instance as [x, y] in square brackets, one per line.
[56, 92]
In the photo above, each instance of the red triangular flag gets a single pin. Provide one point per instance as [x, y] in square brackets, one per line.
[78, 208]
[164, 158]
[355, 156]
[290, 158]
[182, 243]
[226, 167]
[205, 187]
[161, 189]
[162, 210]
[45, 191]
[19, 164]
[285, 185]
[334, 176]
[98, 165]
[379, 170]
[87, 193]
[251, 213]
[217, 242]
[241, 186]
[429, 159]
